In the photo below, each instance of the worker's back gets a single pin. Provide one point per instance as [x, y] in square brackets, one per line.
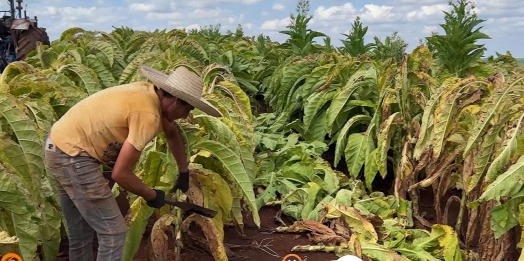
[99, 124]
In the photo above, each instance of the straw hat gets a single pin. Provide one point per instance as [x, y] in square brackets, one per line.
[183, 84]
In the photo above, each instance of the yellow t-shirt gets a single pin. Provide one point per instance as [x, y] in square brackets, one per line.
[99, 124]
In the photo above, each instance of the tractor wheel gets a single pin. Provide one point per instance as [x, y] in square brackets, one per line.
[25, 40]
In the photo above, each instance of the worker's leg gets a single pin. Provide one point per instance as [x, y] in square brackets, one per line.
[80, 233]
[99, 208]
[94, 200]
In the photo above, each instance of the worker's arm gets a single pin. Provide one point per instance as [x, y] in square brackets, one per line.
[177, 147]
[140, 133]
[124, 176]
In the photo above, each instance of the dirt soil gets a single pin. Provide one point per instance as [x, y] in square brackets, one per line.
[277, 242]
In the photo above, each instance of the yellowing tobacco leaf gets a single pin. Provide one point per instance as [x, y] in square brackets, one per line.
[158, 242]
[448, 240]
[356, 221]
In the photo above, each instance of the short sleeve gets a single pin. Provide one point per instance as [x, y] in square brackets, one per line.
[143, 127]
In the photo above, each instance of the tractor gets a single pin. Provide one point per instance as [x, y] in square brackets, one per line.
[18, 35]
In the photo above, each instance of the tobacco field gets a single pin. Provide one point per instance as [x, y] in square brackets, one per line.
[345, 141]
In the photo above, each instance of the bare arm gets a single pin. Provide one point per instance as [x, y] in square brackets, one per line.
[124, 176]
[176, 144]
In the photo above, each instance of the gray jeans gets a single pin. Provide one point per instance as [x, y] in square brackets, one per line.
[88, 206]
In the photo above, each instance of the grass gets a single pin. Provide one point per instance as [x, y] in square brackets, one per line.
[520, 61]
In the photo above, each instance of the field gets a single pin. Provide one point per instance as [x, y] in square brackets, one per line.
[323, 151]
[520, 61]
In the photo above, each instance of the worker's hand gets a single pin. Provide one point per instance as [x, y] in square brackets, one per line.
[159, 200]
[182, 182]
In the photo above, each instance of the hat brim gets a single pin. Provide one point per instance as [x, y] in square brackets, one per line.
[160, 80]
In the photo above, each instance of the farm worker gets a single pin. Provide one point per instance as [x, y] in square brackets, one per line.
[113, 126]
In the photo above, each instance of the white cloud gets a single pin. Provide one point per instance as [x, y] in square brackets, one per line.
[140, 7]
[334, 12]
[428, 29]
[279, 7]
[417, 2]
[206, 13]
[164, 16]
[275, 24]
[249, 26]
[193, 26]
[204, 3]
[375, 13]
[427, 11]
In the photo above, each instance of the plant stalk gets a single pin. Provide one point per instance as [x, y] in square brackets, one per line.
[461, 213]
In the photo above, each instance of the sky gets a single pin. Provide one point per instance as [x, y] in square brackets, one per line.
[413, 19]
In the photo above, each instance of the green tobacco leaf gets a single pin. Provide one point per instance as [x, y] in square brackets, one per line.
[384, 139]
[505, 216]
[12, 70]
[481, 160]
[50, 231]
[371, 167]
[83, 74]
[30, 163]
[301, 202]
[132, 68]
[289, 88]
[378, 206]
[218, 131]
[13, 198]
[317, 131]
[378, 252]
[344, 197]
[344, 94]
[24, 157]
[315, 79]
[105, 50]
[414, 252]
[331, 182]
[240, 98]
[269, 193]
[233, 164]
[508, 183]
[507, 150]
[355, 153]
[317, 211]
[314, 104]
[136, 220]
[104, 75]
[521, 222]
[341, 144]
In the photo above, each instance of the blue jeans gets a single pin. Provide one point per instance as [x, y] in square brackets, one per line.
[87, 205]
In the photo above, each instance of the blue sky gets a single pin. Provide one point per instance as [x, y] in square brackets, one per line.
[413, 19]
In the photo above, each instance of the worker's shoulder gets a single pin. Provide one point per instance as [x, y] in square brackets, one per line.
[138, 86]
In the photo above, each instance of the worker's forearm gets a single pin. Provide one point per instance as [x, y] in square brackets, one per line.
[133, 184]
[177, 147]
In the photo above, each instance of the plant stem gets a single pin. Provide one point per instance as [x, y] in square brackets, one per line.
[177, 221]
[461, 213]
[414, 198]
